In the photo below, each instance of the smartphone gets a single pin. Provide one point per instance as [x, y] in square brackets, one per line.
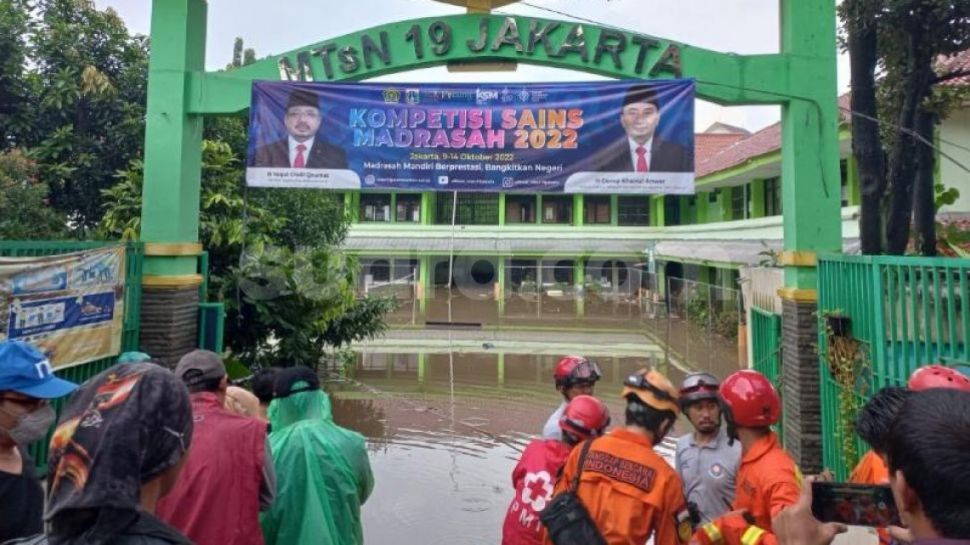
[856, 504]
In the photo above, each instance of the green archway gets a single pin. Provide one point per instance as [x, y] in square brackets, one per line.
[801, 78]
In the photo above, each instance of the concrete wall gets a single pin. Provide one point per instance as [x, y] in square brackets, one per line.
[956, 130]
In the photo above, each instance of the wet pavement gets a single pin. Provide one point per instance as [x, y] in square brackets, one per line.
[444, 439]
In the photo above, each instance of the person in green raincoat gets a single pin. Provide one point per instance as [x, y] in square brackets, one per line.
[323, 474]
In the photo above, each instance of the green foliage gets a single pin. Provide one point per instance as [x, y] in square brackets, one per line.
[944, 196]
[24, 213]
[273, 259]
[901, 41]
[73, 90]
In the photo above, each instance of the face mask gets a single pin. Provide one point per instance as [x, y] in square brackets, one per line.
[32, 426]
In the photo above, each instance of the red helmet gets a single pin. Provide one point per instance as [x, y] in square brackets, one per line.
[938, 376]
[751, 398]
[573, 369]
[585, 417]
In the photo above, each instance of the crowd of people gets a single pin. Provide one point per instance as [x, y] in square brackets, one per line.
[732, 483]
[144, 455]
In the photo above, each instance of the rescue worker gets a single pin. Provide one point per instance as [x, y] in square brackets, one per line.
[535, 474]
[323, 474]
[574, 375]
[630, 491]
[768, 479]
[938, 376]
[877, 416]
[707, 460]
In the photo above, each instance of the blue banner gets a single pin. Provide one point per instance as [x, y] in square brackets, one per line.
[630, 137]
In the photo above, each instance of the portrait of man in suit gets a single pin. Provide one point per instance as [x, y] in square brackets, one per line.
[303, 147]
[643, 150]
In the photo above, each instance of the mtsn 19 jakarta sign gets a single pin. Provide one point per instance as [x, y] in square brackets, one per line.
[530, 39]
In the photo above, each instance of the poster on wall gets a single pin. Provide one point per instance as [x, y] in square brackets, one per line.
[629, 137]
[71, 306]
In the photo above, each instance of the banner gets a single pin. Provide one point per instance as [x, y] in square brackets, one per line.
[602, 137]
[71, 306]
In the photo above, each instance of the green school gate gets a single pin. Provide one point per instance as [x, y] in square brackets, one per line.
[801, 78]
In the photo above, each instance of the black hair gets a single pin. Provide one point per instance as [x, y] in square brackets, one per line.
[262, 384]
[930, 443]
[640, 414]
[877, 416]
[640, 93]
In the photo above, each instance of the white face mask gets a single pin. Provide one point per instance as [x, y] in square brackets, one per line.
[31, 427]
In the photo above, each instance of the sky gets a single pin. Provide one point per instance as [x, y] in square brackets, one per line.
[738, 26]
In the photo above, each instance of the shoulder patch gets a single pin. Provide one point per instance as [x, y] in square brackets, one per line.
[620, 469]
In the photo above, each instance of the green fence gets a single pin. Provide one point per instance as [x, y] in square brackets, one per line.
[904, 311]
[766, 350]
[129, 339]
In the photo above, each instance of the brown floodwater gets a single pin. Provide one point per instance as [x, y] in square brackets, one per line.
[444, 432]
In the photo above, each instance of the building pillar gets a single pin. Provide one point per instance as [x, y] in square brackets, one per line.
[500, 286]
[422, 366]
[801, 396]
[811, 200]
[169, 321]
[170, 196]
[579, 285]
[424, 291]
[578, 210]
[658, 212]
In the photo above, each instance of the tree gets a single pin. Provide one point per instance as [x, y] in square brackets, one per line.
[893, 122]
[273, 260]
[24, 212]
[72, 90]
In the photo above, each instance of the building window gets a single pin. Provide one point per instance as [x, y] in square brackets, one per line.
[844, 177]
[483, 272]
[597, 209]
[712, 197]
[520, 209]
[633, 210]
[378, 270]
[522, 274]
[739, 201]
[557, 209]
[473, 209]
[408, 208]
[406, 269]
[375, 207]
[773, 196]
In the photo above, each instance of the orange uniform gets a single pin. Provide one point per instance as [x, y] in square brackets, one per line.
[629, 491]
[768, 481]
[870, 470]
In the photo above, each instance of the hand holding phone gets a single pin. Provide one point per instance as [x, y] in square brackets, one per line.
[855, 504]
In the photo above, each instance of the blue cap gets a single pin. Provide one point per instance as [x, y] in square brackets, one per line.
[25, 369]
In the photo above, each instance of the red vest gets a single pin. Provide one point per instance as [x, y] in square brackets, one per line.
[533, 478]
[216, 498]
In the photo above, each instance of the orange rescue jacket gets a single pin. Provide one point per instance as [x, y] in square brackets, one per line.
[629, 491]
[768, 481]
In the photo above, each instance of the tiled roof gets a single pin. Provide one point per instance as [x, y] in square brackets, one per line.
[707, 145]
[764, 141]
[959, 62]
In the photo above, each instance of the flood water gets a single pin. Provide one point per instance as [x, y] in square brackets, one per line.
[445, 426]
